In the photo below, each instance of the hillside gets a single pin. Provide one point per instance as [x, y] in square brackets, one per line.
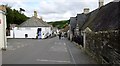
[14, 16]
[59, 24]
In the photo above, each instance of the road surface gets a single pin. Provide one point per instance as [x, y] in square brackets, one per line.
[47, 51]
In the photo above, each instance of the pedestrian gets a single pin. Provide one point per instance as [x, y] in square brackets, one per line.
[59, 35]
[39, 35]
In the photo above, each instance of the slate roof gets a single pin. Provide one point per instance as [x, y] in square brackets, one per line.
[34, 22]
[73, 22]
[81, 18]
[104, 18]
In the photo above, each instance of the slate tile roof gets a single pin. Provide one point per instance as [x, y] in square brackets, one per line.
[34, 22]
[104, 18]
[81, 18]
[73, 22]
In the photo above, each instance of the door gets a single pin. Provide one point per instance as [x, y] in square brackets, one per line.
[39, 35]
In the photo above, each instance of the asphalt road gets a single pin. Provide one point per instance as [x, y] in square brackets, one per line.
[48, 51]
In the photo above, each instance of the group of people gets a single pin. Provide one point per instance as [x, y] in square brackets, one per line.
[60, 35]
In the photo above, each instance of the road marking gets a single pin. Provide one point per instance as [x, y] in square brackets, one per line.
[66, 50]
[52, 47]
[65, 44]
[44, 60]
[71, 55]
[18, 46]
[59, 43]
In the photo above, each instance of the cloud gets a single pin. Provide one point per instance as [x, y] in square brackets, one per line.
[53, 10]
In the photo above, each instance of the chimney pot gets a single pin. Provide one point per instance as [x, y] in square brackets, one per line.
[35, 14]
[101, 3]
[86, 10]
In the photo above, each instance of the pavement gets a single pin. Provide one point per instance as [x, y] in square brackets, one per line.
[47, 51]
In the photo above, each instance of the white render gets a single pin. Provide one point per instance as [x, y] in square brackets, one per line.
[19, 32]
[3, 40]
[29, 29]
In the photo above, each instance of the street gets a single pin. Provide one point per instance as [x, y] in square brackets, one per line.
[46, 51]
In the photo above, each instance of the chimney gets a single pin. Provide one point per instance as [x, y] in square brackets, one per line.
[101, 3]
[3, 8]
[35, 14]
[86, 10]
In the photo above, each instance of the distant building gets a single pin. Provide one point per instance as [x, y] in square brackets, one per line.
[72, 27]
[32, 28]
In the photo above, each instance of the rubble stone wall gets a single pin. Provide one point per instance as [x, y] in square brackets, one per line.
[104, 45]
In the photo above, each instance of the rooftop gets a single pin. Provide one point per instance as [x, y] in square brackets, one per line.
[34, 22]
[104, 18]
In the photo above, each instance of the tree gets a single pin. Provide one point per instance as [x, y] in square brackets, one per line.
[14, 16]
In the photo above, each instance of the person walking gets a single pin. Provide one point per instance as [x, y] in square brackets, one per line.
[59, 35]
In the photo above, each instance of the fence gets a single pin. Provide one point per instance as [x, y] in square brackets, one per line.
[104, 45]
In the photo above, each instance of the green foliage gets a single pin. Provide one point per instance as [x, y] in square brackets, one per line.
[14, 16]
[59, 24]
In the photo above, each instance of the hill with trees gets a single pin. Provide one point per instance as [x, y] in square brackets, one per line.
[14, 16]
[59, 24]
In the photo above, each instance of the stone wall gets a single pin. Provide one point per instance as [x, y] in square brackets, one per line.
[104, 46]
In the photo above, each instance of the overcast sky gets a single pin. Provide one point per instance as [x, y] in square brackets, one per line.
[53, 10]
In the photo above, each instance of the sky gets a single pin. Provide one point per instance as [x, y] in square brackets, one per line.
[53, 10]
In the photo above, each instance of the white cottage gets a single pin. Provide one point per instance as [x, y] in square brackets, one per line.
[32, 28]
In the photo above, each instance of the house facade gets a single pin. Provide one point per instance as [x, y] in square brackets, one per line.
[72, 27]
[32, 28]
[101, 31]
[3, 40]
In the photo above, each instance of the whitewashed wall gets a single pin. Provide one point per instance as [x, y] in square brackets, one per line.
[19, 32]
[3, 40]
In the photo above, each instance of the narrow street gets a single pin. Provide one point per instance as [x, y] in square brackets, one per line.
[47, 51]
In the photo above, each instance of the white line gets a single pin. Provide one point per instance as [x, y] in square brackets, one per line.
[52, 47]
[18, 46]
[66, 50]
[71, 55]
[53, 61]
[64, 43]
